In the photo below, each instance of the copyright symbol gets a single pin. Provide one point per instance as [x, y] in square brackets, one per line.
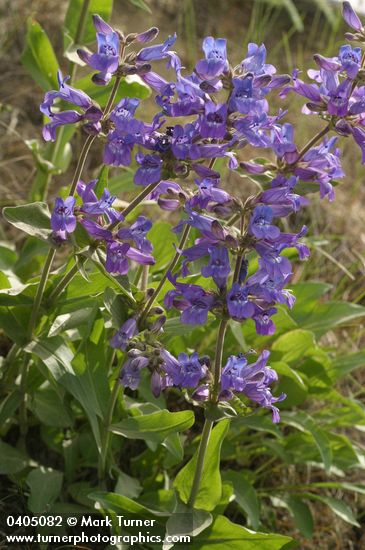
[72, 521]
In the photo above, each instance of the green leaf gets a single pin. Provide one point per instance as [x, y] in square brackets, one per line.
[122, 182]
[245, 495]
[154, 427]
[210, 488]
[130, 86]
[344, 364]
[230, 536]
[57, 356]
[102, 182]
[186, 521]
[163, 239]
[11, 460]
[45, 486]
[294, 345]
[38, 57]
[327, 316]
[120, 503]
[33, 218]
[49, 409]
[103, 8]
[304, 422]
[9, 405]
[8, 255]
[70, 320]
[290, 383]
[338, 507]
[302, 515]
[173, 444]
[128, 486]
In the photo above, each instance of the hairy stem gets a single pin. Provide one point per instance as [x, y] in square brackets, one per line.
[218, 359]
[203, 445]
[81, 162]
[170, 268]
[135, 202]
[144, 279]
[105, 443]
[67, 278]
[208, 424]
[313, 141]
[40, 291]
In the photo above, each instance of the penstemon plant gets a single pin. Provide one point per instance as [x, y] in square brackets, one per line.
[231, 262]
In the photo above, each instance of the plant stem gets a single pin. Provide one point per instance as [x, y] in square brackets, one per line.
[218, 359]
[107, 434]
[79, 35]
[203, 445]
[170, 268]
[144, 279]
[237, 268]
[112, 96]
[63, 283]
[40, 291]
[135, 202]
[81, 163]
[312, 141]
[208, 424]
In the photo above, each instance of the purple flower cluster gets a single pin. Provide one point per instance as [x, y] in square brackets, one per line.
[95, 214]
[228, 109]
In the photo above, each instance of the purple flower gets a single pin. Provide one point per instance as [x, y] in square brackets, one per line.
[63, 220]
[172, 191]
[218, 267]
[255, 61]
[260, 224]
[252, 380]
[117, 151]
[351, 17]
[209, 192]
[116, 259]
[66, 93]
[96, 231]
[123, 112]
[232, 373]
[283, 142]
[215, 62]
[182, 142]
[91, 113]
[264, 325]
[118, 254]
[148, 35]
[130, 375]
[137, 233]
[107, 59]
[97, 207]
[213, 123]
[244, 98]
[255, 128]
[160, 51]
[192, 300]
[239, 306]
[281, 198]
[149, 171]
[189, 371]
[124, 334]
[270, 288]
[350, 60]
